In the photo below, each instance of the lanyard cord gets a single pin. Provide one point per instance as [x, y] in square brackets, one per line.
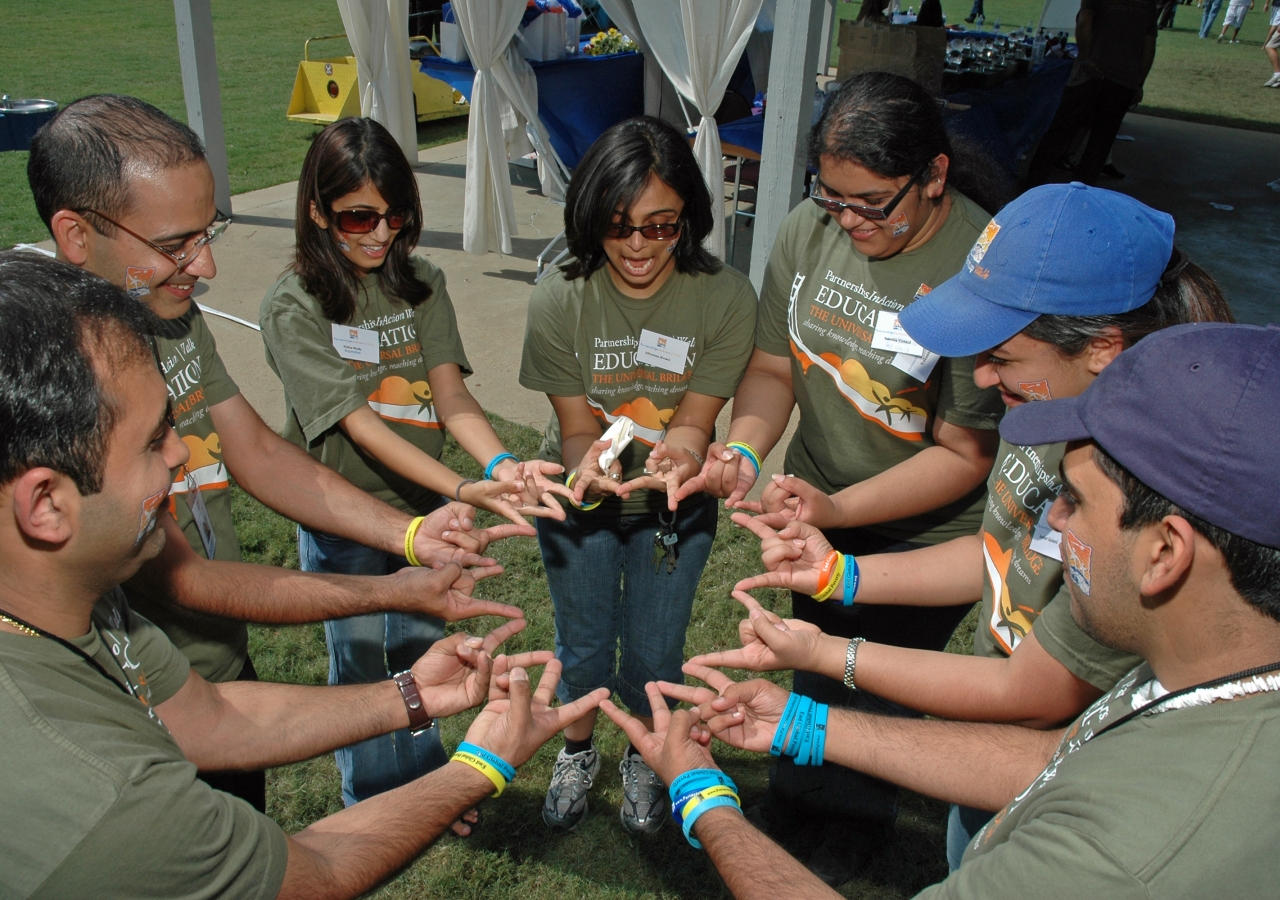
[1238, 676]
[37, 630]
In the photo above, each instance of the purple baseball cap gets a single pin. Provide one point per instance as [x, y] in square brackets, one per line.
[1060, 249]
[1193, 412]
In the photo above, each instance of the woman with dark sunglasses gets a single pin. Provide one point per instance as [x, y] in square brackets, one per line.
[364, 339]
[903, 439]
[643, 324]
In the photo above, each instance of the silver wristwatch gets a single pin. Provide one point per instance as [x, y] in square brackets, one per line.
[851, 660]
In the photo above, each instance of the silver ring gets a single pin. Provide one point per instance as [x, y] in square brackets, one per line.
[615, 476]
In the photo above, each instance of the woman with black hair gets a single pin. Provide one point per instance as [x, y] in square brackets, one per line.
[901, 437]
[364, 339]
[645, 325]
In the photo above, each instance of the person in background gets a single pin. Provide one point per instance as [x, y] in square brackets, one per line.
[1207, 18]
[1272, 46]
[1031, 665]
[930, 15]
[1234, 18]
[1116, 42]
[364, 340]
[642, 324]
[975, 12]
[127, 193]
[903, 433]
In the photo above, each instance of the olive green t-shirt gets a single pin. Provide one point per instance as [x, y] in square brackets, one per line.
[587, 337]
[864, 409]
[321, 386]
[197, 380]
[100, 800]
[1085, 658]
[1180, 803]
[1020, 555]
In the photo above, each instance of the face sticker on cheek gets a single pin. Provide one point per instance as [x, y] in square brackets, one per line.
[343, 245]
[137, 281]
[899, 224]
[1078, 556]
[1035, 390]
[150, 509]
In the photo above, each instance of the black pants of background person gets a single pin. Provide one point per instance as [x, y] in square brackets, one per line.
[854, 807]
[1099, 105]
[248, 786]
[1167, 11]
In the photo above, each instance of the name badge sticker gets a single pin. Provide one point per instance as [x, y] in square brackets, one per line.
[918, 367]
[200, 513]
[356, 343]
[891, 336]
[662, 351]
[1045, 540]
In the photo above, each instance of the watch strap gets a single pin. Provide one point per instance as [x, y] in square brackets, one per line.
[850, 661]
[419, 719]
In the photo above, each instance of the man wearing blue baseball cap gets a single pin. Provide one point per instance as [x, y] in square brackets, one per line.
[1165, 787]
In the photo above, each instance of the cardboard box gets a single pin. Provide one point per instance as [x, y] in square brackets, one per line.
[918, 53]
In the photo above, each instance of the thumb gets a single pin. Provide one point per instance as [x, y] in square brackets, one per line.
[521, 715]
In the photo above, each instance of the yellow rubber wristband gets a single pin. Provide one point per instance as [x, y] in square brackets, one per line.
[720, 790]
[409, 535]
[585, 507]
[834, 583]
[475, 762]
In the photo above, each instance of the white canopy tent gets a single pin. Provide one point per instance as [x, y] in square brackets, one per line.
[378, 31]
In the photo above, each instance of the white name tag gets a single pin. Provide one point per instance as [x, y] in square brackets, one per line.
[662, 351]
[1046, 541]
[200, 513]
[356, 343]
[893, 337]
[918, 367]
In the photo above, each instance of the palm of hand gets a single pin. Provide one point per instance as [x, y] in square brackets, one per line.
[762, 704]
[450, 685]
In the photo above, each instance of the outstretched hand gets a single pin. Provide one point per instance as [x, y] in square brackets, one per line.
[726, 473]
[667, 468]
[535, 491]
[743, 715]
[678, 741]
[516, 722]
[769, 642]
[592, 482]
[445, 592]
[454, 674]
[793, 555]
[794, 498]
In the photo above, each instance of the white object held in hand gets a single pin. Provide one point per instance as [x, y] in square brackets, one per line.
[619, 434]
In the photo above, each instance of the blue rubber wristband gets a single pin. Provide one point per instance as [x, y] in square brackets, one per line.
[803, 740]
[851, 578]
[695, 780]
[696, 813]
[819, 735]
[493, 464]
[784, 725]
[508, 771]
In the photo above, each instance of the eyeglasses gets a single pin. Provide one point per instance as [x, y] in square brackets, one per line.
[190, 248]
[363, 221]
[667, 231]
[867, 212]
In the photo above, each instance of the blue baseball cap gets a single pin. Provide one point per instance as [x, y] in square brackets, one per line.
[1062, 249]
[1192, 412]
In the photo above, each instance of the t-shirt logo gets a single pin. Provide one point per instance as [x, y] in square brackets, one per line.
[205, 466]
[399, 401]
[1009, 624]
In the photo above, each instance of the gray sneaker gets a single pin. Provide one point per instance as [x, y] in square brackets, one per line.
[644, 796]
[566, 801]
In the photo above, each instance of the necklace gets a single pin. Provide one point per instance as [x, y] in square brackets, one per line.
[36, 631]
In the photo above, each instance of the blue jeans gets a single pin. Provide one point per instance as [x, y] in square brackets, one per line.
[963, 822]
[976, 10]
[1211, 8]
[367, 649]
[619, 624]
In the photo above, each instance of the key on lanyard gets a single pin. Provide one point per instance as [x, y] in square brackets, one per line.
[664, 545]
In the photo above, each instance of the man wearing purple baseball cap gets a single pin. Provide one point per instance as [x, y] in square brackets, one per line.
[1165, 787]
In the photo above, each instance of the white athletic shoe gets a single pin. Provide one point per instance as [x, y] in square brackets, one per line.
[1273, 81]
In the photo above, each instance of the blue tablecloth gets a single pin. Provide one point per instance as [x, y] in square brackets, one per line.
[1005, 120]
[578, 97]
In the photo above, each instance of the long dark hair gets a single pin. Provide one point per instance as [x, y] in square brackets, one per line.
[614, 171]
[1186, 293]
[343, 158]
[892, 126]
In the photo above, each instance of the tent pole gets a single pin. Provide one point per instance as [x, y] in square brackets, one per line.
[200, 85]
[797, 37]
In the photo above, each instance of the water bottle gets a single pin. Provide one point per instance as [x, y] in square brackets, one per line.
[911, 10]
[997, 25]
[1037, 49]
[895, 7]
[981, 20]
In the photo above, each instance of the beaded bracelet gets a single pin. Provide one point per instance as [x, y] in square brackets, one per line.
[748, 451]
[409, 535]
[585, 506]
[493, 463]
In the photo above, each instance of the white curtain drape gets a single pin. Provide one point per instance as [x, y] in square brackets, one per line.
[378, 31]
[698, 43]
[622, 13]
[504, 118]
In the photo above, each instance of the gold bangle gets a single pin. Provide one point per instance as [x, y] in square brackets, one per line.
[410, 533]
[481, 766]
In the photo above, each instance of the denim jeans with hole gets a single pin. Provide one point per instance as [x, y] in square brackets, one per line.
[619, 624]
[367, 649]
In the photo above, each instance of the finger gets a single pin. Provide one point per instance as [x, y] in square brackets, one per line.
[730, 659]
[686, 693]
[751, 603]
[754, 525]
[464, 607]
[500, 532]
[529, 659]
[520, 712]
[751, 506]
[776, 520]
[672, 480]
[695, 485]
[484, 570]
[495, 638]
[658, 706]
[633, 728]
[546, 691]
[716, 679]
[563, 716]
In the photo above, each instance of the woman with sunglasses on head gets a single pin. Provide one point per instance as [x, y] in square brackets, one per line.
[364, 339]
[903, 436]
[642, 323]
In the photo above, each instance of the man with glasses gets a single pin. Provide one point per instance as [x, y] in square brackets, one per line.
[127, 193]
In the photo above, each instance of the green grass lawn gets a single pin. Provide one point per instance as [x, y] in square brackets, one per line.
[514, 855]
